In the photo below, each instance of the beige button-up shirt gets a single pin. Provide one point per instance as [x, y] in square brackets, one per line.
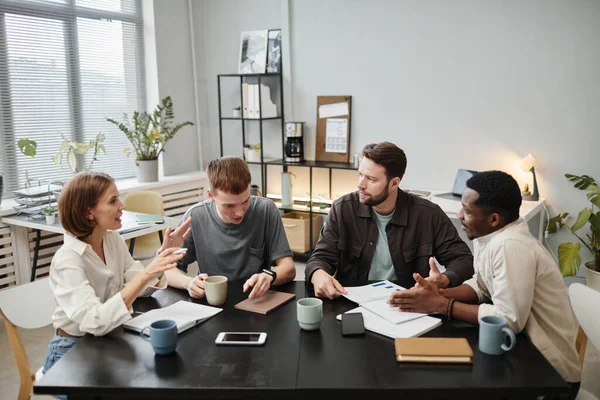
[522, 281]
[87, 290]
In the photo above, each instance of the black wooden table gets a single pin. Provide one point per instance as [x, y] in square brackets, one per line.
[292, 364]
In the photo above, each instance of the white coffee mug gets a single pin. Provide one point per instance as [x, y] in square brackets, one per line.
[310, 313]
[216, 289]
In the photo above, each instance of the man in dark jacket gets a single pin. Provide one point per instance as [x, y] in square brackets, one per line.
[380, 232]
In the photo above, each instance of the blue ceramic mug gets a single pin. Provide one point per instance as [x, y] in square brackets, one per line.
[162, 335]
[493, 333]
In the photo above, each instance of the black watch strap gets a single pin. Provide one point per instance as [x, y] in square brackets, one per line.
[272, 273]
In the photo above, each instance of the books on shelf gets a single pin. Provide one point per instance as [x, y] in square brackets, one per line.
[255, 108]
[149, 219]
[186, 314]
[433, 350]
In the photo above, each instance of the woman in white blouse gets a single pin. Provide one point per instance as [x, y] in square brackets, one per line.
[94, 278]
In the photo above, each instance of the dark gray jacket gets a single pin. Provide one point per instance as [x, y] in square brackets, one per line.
[418, 230]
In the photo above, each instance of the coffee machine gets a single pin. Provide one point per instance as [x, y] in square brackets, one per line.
[294, 142]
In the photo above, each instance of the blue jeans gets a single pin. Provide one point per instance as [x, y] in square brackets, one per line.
[58, 347]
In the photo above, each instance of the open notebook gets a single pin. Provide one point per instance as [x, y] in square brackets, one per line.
[415, 327]
[185, 313]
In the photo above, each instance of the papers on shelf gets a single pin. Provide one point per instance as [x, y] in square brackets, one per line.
[185, 313]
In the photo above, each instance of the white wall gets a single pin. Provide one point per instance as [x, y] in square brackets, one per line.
[176, 79]
[463, 84]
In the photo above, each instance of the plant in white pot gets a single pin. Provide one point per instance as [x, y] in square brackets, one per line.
[75, 151]
[569, 256]
[148, 134]
[50, 213]
[252, 152]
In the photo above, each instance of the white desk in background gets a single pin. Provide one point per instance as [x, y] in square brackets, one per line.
[529, 209]
[129, 230]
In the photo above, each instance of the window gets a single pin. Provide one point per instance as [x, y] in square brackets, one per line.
[64, 67]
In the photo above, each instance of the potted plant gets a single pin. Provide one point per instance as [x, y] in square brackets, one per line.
[569, 257]
[252, 152]
[50, 212]
[28, 148]
[237, 112]
[148, 134]
[73, 151]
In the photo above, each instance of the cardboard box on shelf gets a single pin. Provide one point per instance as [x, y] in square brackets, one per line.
[297, 230]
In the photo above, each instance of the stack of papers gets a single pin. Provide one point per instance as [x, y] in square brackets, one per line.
[374, 296]
[380, 318]
[185, 313]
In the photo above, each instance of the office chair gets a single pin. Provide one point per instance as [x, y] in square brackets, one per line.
[28, 306]
[584, 302]
[150, 202]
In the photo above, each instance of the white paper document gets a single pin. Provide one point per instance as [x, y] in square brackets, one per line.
[373, 291]
[185, 313]
[374, 296]
[333, 110]
[336, 135]
[392, 314]
[413, 328]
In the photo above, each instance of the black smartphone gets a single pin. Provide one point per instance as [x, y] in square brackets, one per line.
[353, 324]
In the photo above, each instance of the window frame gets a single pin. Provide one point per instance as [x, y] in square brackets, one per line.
[68, 13]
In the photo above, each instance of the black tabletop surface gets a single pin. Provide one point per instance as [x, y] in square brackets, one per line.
[292, 363]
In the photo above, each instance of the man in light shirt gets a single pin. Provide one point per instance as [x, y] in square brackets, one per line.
[515, 276]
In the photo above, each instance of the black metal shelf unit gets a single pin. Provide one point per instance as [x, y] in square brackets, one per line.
[260, 119]
[265, 163]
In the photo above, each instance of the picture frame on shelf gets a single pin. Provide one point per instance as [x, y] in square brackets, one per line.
[253, 52]
[274, 51]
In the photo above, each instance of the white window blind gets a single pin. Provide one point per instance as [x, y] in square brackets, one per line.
[64, 67]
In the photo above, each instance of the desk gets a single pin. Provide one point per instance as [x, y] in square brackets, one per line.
[293, 364]
[529, 209]
[130, 230]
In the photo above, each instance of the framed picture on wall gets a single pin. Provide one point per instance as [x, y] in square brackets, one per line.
[253, 52]
[274, 51]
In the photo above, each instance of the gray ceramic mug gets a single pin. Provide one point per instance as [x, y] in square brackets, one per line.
[163, 336]
[492, 335]
[310, 313]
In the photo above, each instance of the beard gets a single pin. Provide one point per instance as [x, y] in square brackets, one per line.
[377, 199]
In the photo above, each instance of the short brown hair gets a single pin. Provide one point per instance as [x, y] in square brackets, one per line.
[228, 174]
[388, 155]
[80, 194]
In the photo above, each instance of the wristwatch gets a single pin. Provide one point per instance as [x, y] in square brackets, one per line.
[272, 273]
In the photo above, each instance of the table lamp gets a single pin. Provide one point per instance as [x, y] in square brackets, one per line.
[527, 164]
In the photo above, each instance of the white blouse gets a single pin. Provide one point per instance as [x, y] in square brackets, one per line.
[87, 290]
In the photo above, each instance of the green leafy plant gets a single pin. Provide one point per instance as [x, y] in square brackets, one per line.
[253, 146]
[149, 133]
[50, 210]
[569, 256]
[72, 151]
[238, 108]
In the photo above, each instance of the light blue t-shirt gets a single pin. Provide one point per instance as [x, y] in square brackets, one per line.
[382, 266]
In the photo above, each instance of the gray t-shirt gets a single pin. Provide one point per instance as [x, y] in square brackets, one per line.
[235, 251]
[382, 266]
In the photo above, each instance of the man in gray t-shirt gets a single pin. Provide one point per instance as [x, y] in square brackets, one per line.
[235, 235]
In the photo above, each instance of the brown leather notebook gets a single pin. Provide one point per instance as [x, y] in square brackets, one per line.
[267, 303]
[434, 350]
